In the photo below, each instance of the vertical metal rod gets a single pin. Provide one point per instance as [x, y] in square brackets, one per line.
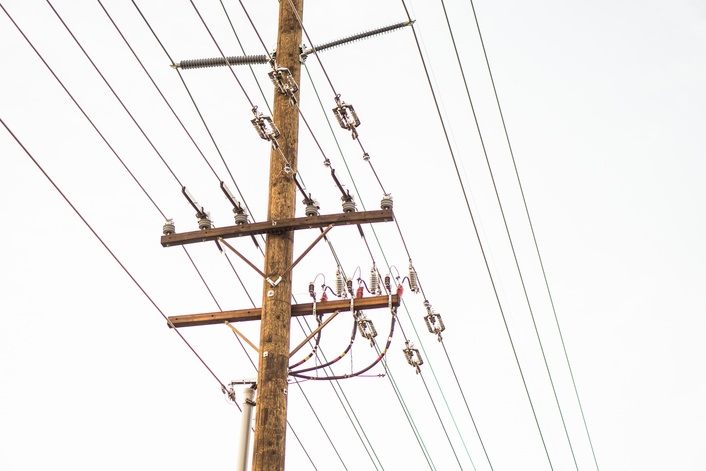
[248, 405]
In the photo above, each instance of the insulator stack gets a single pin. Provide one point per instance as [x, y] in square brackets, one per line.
[312, 207]
[240, 217]
[386, 202]
[339, 283]
[168, 228]
[414, 358]
[348, 203]
[204, 221]
[413, 279]
[374, 281]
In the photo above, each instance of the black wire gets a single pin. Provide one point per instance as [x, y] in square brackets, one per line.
[407, 413]
[159, 154]
[85, 114]
[355, 416]
[222, 54]
[385, 258]
[475, 228]
[196, 107]
[534, 237]
[313, 48]
[105, 246]
[252, 70]
[164, 98]
[507, 231]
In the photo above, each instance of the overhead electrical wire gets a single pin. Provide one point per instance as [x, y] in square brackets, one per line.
[482, 249]
[196, 107]
[134, 178]
[380, 183]
[507, 231]
[164, 49]
[399, 229]
[534, 236]
[104, 244]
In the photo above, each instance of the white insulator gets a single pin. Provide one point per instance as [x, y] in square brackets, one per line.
[312, 208]
[413, 279]
[204, 221]
[386, 202]
[374, 281]
[241, 218]
[348, 206]
[340, 285]
[168, 228]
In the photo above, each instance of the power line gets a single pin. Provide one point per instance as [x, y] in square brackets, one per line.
[475, 228]
[105, 246]
[534, 237]
[366, 156]
[507, 231]
[345, 161]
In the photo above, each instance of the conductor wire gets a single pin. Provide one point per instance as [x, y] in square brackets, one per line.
[105, 246]
[482, 249]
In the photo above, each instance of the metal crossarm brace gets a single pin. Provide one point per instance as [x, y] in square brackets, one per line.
[254, 314]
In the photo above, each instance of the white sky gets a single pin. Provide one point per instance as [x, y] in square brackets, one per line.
[605, 106]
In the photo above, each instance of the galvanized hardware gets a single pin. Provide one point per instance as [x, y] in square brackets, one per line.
[346, 116]
[284, 82]
[414, 358]
[265, 128]
[434, 322]
[366, 327]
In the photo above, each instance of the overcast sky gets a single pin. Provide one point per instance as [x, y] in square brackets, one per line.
[605, 106]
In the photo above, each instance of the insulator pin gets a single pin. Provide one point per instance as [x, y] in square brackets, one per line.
[414, 358]
[348, 203]
[311, 208]
[204, 221]
[388, 286]
[240, 215]
[168, 228]
[386, 202]
[349, 287]
[346, 116]
[312, 291]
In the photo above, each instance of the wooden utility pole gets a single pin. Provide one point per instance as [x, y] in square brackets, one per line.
[277, 310]
[271, 412]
